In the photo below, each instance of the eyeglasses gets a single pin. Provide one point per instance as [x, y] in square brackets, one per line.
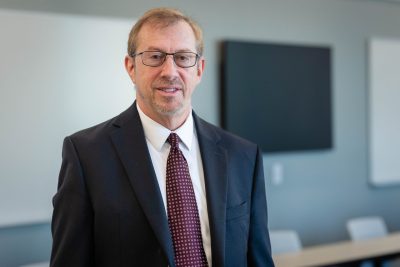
[157, 58]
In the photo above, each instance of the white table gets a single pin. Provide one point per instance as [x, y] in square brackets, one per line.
[342, 252]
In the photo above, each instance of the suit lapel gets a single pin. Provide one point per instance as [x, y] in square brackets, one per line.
[215, 176]
[130, 143]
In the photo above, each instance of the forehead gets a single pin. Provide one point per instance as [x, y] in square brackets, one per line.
[174, 37]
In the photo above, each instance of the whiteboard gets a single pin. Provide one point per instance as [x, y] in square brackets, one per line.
[384, 110]
[58, 74]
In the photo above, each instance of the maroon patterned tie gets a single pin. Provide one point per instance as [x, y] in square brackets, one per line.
[183, 216]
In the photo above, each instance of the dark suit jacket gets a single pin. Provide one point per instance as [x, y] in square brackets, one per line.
[108, 210]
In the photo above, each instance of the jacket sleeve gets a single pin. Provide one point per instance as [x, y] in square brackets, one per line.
[259, 247]
[72, 222]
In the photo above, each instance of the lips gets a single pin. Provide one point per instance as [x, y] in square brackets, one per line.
[168, 86]
[169, 90]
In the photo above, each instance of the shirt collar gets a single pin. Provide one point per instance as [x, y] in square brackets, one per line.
[157, 134]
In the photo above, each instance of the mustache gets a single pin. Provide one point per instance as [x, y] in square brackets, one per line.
[167, 82]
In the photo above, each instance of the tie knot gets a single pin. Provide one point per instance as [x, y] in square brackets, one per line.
[173, 140]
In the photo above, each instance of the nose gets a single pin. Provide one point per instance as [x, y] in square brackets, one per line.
[169, 67]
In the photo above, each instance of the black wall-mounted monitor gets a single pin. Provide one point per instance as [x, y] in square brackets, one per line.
[277, 95]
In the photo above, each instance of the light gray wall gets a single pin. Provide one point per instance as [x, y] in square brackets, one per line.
[320, 190]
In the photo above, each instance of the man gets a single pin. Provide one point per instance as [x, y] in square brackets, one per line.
[121, 200]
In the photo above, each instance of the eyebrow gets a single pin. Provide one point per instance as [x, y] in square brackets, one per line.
[154, 48]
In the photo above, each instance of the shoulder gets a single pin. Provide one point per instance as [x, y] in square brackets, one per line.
[224, 138]
[102, 131]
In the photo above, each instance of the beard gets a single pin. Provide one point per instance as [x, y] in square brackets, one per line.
[169, 106]
[164, 105]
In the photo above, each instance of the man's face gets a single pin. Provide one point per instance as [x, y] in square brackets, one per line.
[165, 91]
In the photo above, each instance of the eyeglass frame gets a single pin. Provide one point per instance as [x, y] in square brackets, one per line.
[165, 57]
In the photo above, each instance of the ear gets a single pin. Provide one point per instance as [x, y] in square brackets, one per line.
[200, 67]
[130, 67]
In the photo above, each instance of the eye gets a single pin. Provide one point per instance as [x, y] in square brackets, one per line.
[155, 55]
[183, 57]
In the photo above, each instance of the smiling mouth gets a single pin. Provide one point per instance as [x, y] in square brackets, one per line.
[169, 90]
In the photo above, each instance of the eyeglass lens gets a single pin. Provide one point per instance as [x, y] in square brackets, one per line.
[157, 58]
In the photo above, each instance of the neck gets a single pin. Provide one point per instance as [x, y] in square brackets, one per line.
[171, 121]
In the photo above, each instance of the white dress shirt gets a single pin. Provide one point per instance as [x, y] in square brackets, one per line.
[156, 139]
